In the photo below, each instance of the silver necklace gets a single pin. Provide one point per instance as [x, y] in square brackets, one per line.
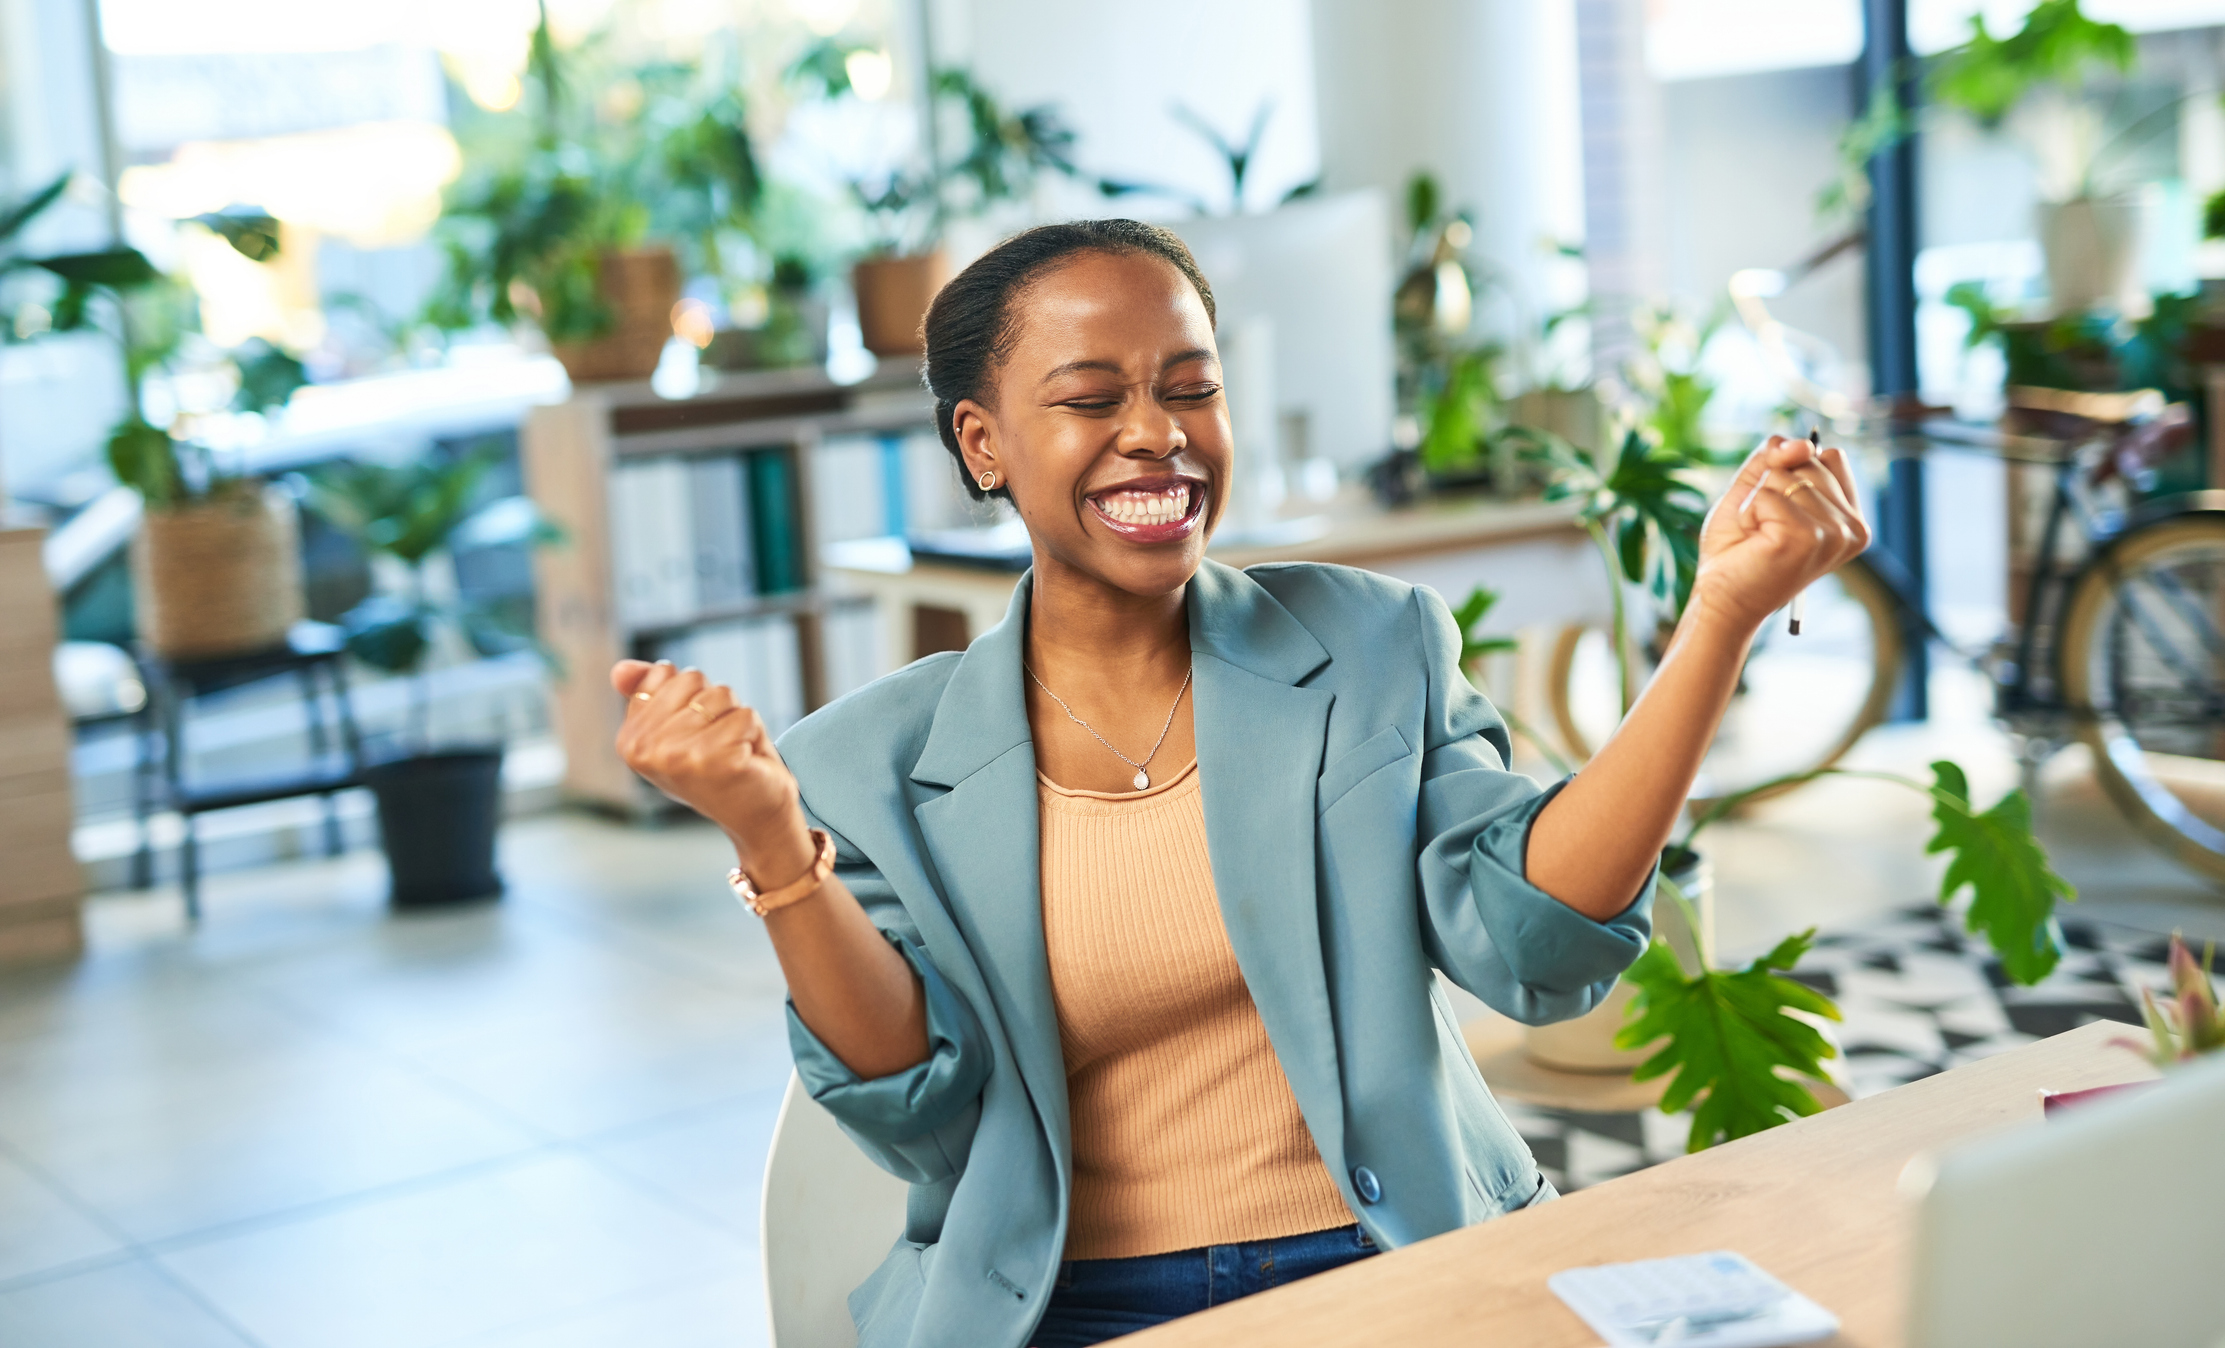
[1142, 778]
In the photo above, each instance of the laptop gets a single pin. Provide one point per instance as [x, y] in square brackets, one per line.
[2104, 1226]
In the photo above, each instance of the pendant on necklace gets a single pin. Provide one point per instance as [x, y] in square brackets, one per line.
[1143, 779]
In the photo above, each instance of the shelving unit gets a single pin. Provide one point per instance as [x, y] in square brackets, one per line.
[569, 452]
[41, 888]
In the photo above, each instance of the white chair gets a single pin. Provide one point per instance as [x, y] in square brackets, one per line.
[830, 1217]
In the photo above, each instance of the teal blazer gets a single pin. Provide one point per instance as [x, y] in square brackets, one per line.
[1364, 834]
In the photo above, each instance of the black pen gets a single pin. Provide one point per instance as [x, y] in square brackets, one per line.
[1792, 612]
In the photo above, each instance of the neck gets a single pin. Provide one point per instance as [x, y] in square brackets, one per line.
[1082, 631]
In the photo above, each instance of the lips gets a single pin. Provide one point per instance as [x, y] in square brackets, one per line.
[1151, 510]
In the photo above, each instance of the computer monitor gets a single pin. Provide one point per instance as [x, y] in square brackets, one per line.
[2103, 1226]
[1316, 274]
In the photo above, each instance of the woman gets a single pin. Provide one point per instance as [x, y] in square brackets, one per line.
[1126, 959]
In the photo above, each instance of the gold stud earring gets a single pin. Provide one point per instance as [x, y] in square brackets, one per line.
[988, 480]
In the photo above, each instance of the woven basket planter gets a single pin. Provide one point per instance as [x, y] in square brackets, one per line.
[219, 577]
[641, 286]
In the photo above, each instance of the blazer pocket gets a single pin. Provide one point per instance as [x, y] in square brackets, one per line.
[1377, 751]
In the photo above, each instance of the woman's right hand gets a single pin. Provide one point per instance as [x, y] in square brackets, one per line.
[694, 741]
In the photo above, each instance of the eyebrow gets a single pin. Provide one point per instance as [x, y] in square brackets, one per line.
[1113, 367]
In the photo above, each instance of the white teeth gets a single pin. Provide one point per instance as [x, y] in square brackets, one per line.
[1139, 507]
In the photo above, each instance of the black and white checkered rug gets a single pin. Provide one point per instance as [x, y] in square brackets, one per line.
[1920, 995]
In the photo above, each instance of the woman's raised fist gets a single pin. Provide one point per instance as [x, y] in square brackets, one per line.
[696, 743]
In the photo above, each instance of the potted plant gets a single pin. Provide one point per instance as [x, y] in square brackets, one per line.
[1743, 1048]
[794, 330]
[1002, 155]
[2089, 236]
[558, 233]
[1644, 513]
[216, 563]
[2187, 1024]
[438, 803]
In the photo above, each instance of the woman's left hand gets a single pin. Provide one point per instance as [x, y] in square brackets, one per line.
[1792, 516]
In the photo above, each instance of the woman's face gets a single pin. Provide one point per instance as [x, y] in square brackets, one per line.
[1109, 426]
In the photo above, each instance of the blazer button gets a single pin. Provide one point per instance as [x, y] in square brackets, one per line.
[1366, 1185]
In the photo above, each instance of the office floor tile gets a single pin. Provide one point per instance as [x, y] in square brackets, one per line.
[576, 1079]
[184, 1155]
[711, 1162]
[726, 1310]
[41, 1228]
[128, 1305]
[493, 1250]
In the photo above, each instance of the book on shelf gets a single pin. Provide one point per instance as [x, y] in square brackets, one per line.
[772, 511]
[698, 535]
[718, 500]
[850, 633]
[849, 498]
[651, 552]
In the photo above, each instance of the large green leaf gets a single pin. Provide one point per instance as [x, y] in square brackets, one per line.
[1470, 615]
[145, 458]
[116, 268]
[1460, 415]
[2013, 889]
[1732, 1045]
[1986, 76]
[253, 234]
[268, 376]
[15, 217]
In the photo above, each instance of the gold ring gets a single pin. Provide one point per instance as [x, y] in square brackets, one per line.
[697, 707]
[1799, 484]
[642, 697]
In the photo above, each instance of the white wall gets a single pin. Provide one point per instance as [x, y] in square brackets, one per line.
[1117, 71]
[1482, 93]
[1746, 155]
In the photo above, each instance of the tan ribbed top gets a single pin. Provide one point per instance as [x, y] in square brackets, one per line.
[1185, 1130]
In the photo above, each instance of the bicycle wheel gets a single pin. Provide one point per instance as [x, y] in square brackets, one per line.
[2142, 663]
[1802, 701]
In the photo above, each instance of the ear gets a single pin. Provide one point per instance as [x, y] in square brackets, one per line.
[977, 439]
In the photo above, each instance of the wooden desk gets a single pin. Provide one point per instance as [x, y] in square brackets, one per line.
[1816, 1203]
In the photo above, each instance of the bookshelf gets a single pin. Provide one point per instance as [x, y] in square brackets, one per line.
[694, 533]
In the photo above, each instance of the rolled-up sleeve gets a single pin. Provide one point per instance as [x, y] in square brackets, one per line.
[917, 1124]
[1491, 931]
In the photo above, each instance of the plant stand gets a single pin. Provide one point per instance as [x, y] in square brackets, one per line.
[335, 762]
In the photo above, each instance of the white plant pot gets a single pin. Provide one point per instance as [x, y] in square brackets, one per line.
[2093, 252]
[1587, 1043]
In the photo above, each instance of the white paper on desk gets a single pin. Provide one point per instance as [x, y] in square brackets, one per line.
[1715, 1300]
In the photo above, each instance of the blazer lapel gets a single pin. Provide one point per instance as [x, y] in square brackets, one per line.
[984, 841]
[1259, 744]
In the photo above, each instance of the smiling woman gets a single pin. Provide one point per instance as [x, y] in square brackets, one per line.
[1135, 980]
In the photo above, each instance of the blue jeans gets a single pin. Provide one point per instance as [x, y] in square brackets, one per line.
[1099, 1299]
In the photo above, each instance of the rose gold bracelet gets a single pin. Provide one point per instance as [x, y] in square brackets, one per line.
[802, 887]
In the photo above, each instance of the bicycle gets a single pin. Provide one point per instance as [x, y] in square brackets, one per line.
[2120, 643]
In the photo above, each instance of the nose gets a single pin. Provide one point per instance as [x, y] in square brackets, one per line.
[1150, 432]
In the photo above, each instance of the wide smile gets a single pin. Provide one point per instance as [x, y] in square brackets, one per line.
[1156, 510]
